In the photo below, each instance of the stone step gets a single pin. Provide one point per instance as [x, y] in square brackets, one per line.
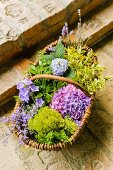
[24, 23]
[99, 25]
[12, 75]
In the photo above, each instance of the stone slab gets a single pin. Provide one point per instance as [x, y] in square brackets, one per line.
[22, 21]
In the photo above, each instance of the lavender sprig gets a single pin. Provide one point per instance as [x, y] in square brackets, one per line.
[65, 30]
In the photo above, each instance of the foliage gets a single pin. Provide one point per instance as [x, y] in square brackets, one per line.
[45, 61]
[49, 126]
[59, 50]
[47, 88]
[88, 72]
[43, 68]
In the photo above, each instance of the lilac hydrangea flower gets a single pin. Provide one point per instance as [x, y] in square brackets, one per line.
[71, 101]
[59, 66]
[26, 88]
[65, 30]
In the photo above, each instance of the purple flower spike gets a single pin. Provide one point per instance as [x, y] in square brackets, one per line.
[34, 88]
[24, 95]
[20, 85]
[65, 30]
[39, 102]
[27, 82]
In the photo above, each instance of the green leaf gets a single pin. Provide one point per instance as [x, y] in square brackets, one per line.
[48, 97]
[38, 95]
[48, 88]
[32, 69]
[46, 58]
[59, 50]
[43, 83]
[17, 98]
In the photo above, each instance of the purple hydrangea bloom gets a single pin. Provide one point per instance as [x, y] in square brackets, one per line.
[65, 30]
[59, 66]
[70, 101]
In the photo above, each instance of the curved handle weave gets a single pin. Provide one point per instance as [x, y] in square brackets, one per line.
[63, 79]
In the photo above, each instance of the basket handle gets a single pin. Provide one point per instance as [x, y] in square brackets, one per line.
[63, 79]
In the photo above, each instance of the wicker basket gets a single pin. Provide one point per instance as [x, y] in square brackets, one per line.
[60, 145]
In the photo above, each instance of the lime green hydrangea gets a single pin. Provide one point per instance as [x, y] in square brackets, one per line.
[49, 127]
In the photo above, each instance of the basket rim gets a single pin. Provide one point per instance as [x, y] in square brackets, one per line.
[73, 137]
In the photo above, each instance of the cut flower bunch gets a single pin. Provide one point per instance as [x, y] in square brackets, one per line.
[55, 101]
